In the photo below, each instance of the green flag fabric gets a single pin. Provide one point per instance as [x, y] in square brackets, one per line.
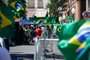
[17, 7]
[46, 20]
[7, 28]
[50, 20]
[67, 32]
[69, 18]
[77, 47]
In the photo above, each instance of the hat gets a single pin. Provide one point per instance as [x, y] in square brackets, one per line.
[86, 14]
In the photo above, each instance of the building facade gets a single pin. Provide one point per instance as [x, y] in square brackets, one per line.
[87, 5]
[36, 8]
[75, 8]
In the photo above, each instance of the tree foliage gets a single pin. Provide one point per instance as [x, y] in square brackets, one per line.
[54, 6]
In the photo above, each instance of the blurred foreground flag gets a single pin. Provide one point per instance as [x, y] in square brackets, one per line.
[6, 16]
[6, 21]
[83, 36]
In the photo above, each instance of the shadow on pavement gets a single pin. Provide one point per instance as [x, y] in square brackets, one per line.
[22, 56]
[55, 56]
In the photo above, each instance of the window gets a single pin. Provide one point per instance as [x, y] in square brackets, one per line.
[40, 3]
[31, 3]
[88, 5]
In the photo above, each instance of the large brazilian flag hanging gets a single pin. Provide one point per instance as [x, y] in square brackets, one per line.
[7, 28]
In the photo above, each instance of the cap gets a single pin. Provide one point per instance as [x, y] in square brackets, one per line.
[86, 14]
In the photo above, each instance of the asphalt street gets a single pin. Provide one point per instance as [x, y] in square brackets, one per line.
[27, 52]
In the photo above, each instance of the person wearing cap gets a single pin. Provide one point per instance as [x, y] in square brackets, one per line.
[86, 15]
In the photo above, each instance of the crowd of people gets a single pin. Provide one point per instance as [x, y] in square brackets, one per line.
[26, 34]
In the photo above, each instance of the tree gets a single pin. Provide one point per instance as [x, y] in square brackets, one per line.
[54, 6]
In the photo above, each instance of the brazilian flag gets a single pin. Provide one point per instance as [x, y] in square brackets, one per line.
[7, 28]
[68, 41]
[50, 20]
[18, 8]
[16, 5]
[68, 30]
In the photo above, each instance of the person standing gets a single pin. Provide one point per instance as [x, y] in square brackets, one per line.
[38, 32]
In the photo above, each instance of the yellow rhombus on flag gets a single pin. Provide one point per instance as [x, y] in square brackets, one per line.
[5, 21]
[7, 26]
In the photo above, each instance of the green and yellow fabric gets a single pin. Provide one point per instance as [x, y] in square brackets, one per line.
[84, 37]
[17, 8]
[50, 20]
[7, 28]
[68, 40]
[78, 47]
[45, 20]
[83, 52]
[68, 30]
[59, 30]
